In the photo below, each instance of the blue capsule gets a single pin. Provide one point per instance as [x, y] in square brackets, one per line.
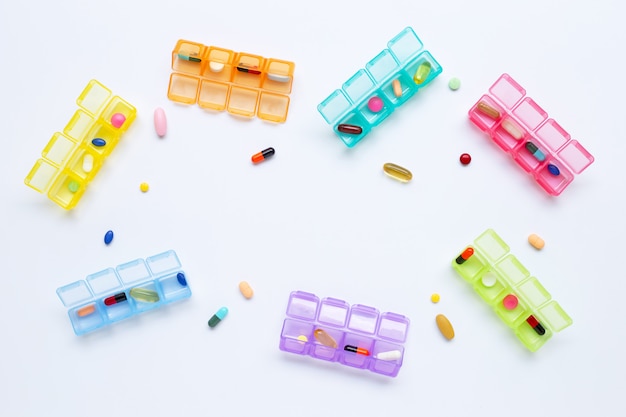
[217, 317]
[533, 149]
[554, 170]
[181, 279]
[108, 237]
[99, 142]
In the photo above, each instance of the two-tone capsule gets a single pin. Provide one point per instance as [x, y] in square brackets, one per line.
[217, 317]
[263, 155]
[248, 69]
[356, 349]
[534, 323]
[192, 57]
[115, 299]
[535, 151]
[467, 253]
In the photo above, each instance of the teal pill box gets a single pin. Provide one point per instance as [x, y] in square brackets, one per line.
[400, 61]
[129, 289]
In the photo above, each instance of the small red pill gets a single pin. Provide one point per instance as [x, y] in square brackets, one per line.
[465, 158]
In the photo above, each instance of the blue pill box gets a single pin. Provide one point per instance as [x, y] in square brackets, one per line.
[129, 289]
[403, 62]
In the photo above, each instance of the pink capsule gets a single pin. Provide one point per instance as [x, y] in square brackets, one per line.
[160, 122]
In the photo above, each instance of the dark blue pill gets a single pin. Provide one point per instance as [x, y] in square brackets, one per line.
[181, 279]
[108, 237]
[553, 169]
[99, 142]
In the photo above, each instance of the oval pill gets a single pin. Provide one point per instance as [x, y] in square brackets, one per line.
[108, 237]
[86, 311]
[160, 122]
[445, 327]
[180, 277]
[512, 129]
[487, 110]
[422, 72]
[324, 338]
[397, 172]
[536, 241]
[98, 142]
[553, 169]
[350, 129]
[390, 355]
[246, 289]
[87, 162]
[397, 88]
[117, 120]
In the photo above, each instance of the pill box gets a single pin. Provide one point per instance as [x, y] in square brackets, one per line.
[61, 172]
[513, 120]
[494, 274]
[355, 329]
[401, 60]
[220, 79]
[105, 297]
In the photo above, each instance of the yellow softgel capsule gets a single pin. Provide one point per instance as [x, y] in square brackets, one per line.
[422, 72]
[144, 187]
[435, 298]
[397, 172]
[445, 327]
[536, 241]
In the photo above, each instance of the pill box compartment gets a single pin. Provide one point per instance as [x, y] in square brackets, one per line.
[355, 359]
[183, 88]
[218, 57]
[59, 149]
[243, 101]
[512, 270]
[388, 367]
[553, 184]
[511, 317]
[193, 50]
[471, 268]
[507, 91]
[488, 292]
[273, 107]
[278, 76]
[118, 105]
[333, 312]
[79, 125]
[303, 305]
[425, 57]
[101, 131]
[248, 70]
[172, 289]
[327, 353]
[88, 322]
[525, 158]
[483, 121]
[213, 95]
[62, 190]
[503, 138]
[143, 303]
[77, 163]
[363, 319]
[293, 336]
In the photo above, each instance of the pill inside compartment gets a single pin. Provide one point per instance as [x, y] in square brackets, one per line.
[530, 154]
[219, 66]
[86, 163]
[248, 70]
[146, 296]
[187, 57]
[174, 286]
[119, 106]
[472, 267]
[297, 336]
[485, 113]
[490, 286]
[324, 343]
[551, 182]
[87, 317]
[278, 76]
[372, 114]
[356, 350]
[353, 119]
[508, 134]
[422, 69]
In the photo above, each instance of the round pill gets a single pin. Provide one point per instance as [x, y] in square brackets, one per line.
[108, 237]
[454, 83]
[117, 120]
[435, 298]
[510, 302]
[160, 122]
[303, 338]
[98, 142]
[144, 187]
[73, 186]
[489, 280]
[180, 277]
[216, 66]
[246, 289]
[536, 242]
[553, 169]
[445, 327]
[465, 158]
[375, 104]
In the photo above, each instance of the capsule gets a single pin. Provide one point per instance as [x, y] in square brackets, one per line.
[355, 349]
[108, 237]
[87, 162]
[534, 323]
[144, 295]
[350, 129]
[180, 277]
[263, 155]
[324, 338]
[246, 289]
[512, 129]
[397, 172]
[467, 253]
[487, 110]
[190, 57]
[535, 151]
[86, 311]
[248, 69]
[115, 299]
[390, 355]
[397, 88]
[422, 72]
[217, 317]
[98, 142]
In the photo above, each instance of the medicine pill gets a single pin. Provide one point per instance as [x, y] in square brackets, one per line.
[160, 122]
[487, 110]
[356, 349]
[536, 241]
[303, 338]
[98, 142]
[397, 88]
[279, 78]
[216, 66]
[375, 104]
[144, 187]
[217, 317]
[390, 355]
[115, 299]
[324, 338]
[87, 162]
[191, 57]
[144, 295]
[248, 69]
[108, 237]
[553, 169]
[117, 120]
[512, 129]
[86, 311]
[422, 72]
[467, 253]
[350, 129]
[435, 298]
[445, 327]
[397, 172]
[510, 302]
[534, 323]
[465, 158]
[263, 155]
[535, 151]
[454, 84]
[73, 186]
[489, 279]
[180, 277]
[246, 289]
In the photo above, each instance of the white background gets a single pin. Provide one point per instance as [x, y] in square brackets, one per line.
[318, 217]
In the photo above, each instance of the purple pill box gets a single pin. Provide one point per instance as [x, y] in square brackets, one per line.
[332, 330]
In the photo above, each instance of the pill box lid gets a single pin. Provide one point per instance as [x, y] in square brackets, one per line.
[554, 316]
[303, 305]
[163, 262]
[94, 97]
[334, 106]
[104, 281]
[333, 312]
[393, 327]
[363, 319]
[358, 86]
[405, 45]
[133, 271]
[491, 245]
[74, 293]
[41, 175]
[533, 293]
[382, 66]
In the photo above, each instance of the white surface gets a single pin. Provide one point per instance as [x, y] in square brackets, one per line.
[318, 217]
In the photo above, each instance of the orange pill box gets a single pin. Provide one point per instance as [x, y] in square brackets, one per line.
[220, 79]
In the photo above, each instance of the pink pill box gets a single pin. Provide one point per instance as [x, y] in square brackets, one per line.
[523, 129]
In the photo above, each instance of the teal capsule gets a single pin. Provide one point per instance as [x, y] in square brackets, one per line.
[533, 149]
[217, 317]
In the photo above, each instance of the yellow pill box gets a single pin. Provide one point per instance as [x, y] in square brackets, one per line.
[72, 158]
[220, 79]
[495, 274]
